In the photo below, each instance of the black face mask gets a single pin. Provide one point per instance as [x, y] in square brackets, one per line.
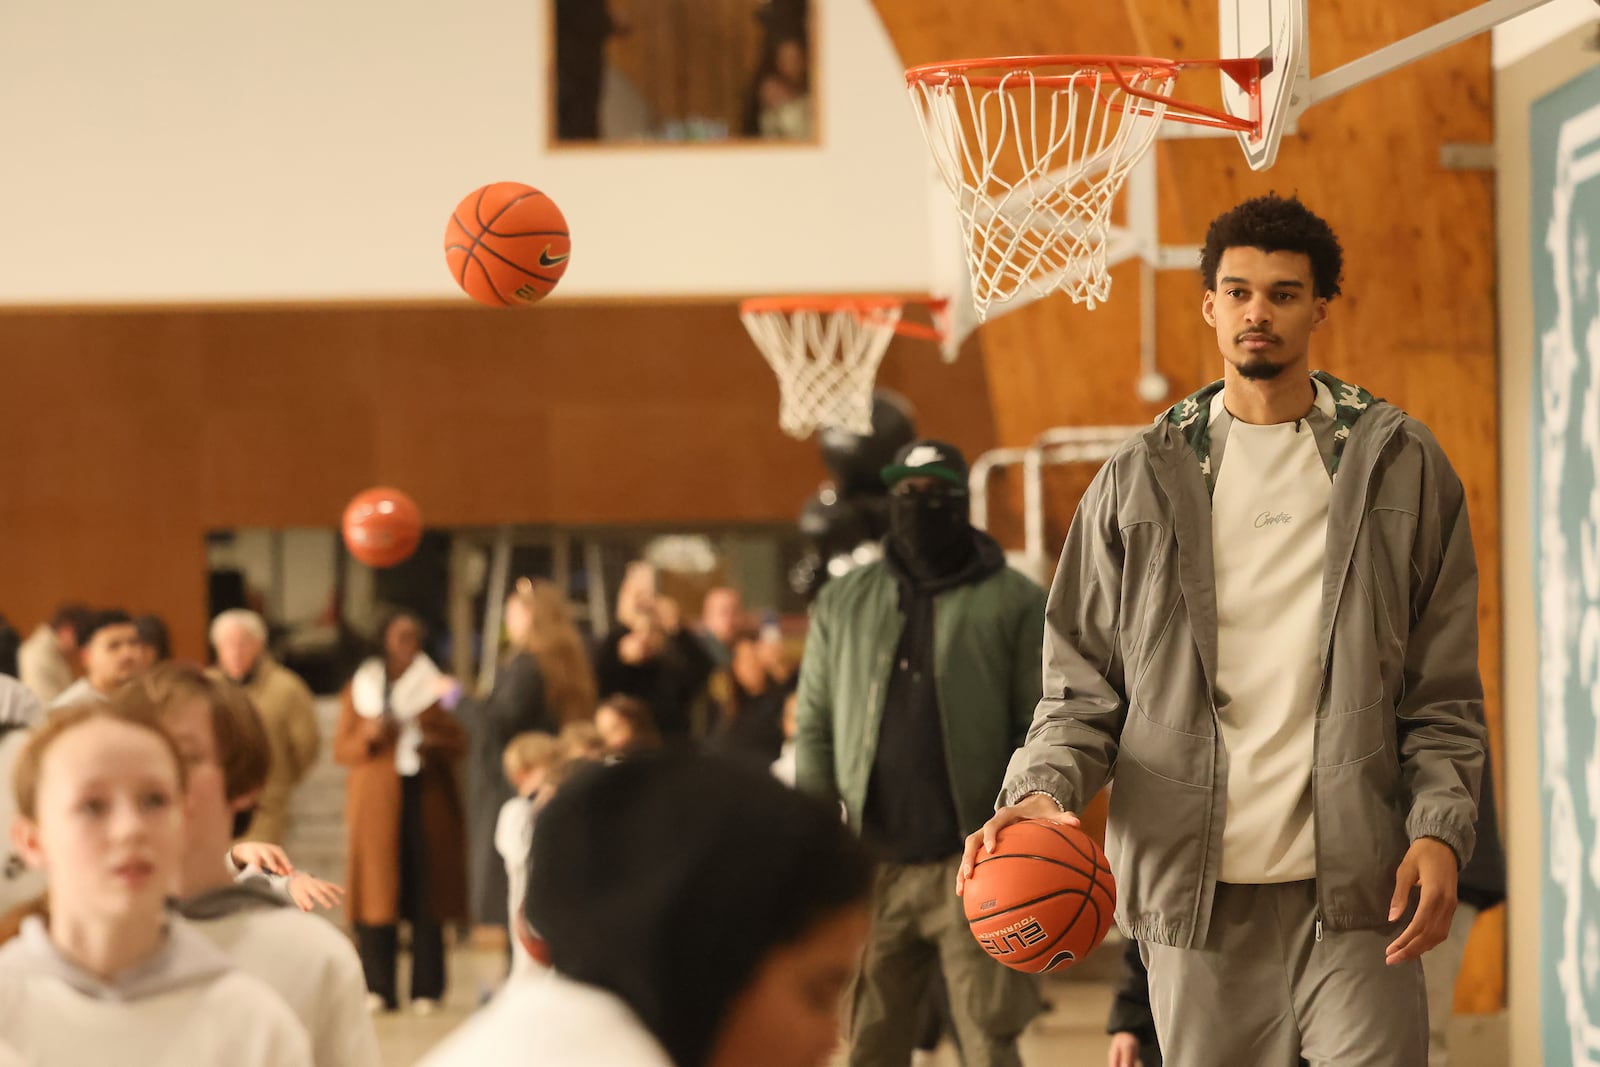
[931, 531]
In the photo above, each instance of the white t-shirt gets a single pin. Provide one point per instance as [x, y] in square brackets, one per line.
[545, 1019]
[187, 1007]
[79, 692]
[513, 839]
[313, 967]
[783, 768]
[1269, 526]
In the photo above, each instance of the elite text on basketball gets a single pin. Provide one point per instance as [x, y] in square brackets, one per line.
[1014, 938]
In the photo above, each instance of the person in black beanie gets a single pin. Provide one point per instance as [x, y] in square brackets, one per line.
[919, 680]
[694, 913]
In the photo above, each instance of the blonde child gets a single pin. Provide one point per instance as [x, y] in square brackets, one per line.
[111, 976]
[581, 740]
[527, 762]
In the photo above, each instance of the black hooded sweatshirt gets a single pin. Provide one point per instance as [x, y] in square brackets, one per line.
[910, 813]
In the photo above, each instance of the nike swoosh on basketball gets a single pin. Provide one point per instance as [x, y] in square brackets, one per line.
[547, 260]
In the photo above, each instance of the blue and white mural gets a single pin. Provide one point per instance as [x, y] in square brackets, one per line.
[1566, 280]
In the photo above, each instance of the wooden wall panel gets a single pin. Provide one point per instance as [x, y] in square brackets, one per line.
[1417, 321]
[126, 435]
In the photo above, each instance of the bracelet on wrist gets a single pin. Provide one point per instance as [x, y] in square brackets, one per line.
[1042, 793]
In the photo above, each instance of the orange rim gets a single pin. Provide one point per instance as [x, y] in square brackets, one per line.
[1245, 73]
[855, 303]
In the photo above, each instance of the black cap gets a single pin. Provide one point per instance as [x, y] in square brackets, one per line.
[928, 459]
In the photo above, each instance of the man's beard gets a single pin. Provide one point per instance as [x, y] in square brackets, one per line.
[1259, 370]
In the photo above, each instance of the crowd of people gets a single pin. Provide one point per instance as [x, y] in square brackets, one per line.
[441, 792]
[1277, 675]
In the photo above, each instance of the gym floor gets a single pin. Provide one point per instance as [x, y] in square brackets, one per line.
[1070, 1034]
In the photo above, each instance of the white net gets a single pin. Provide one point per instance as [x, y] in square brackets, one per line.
[826, 360]
[1035, 162]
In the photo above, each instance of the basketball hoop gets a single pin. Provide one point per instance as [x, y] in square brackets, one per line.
[1035, 148]
[825, 351]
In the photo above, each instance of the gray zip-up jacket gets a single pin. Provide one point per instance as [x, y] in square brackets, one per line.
[1131, 664]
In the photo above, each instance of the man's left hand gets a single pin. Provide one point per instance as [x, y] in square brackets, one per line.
[1430, 864]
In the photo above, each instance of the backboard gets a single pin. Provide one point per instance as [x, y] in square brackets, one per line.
[1275, 30]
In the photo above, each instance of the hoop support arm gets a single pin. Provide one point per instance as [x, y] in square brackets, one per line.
[1419, 45]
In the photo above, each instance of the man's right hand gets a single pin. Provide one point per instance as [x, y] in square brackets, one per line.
[1124, 1051]
[1038, 806]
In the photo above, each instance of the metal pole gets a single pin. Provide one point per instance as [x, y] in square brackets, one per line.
[595, 579]
[1033, 510]
[461, 595]
[493, 603]
[978, 480]
[278, 608]
[1110, 436]
[1085, 452]
[1144, 214]
[561, 562]
[1150, 379]
[1423, 43]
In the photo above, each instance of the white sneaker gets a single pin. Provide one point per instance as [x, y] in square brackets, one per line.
[424, 1006]
[375, 1004]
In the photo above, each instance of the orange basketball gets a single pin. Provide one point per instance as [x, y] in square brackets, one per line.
[1042, 899]
[507, 244]
[382, 526]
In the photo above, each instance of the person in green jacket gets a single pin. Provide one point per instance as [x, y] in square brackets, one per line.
[920, 678]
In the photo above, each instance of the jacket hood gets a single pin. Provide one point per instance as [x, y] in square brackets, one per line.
[1190, 418]
[184, 959]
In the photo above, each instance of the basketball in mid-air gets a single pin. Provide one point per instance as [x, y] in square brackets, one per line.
[1042, 900]
[507, 244]
[382, 526]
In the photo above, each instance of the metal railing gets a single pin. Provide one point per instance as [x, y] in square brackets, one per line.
[1056, 447]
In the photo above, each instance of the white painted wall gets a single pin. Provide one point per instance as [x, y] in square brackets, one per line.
[203, 150]
[1530, 32]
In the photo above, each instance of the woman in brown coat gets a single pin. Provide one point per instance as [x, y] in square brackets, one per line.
[403, 813]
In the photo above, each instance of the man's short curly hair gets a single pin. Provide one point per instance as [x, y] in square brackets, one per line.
[1274, 224]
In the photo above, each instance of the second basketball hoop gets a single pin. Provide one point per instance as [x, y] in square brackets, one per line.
[825, 350]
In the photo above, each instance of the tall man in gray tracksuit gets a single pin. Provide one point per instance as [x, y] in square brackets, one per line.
[1264, 629]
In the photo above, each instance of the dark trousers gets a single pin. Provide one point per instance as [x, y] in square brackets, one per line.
[380, 945]
[934, 1019]
[918, 929]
